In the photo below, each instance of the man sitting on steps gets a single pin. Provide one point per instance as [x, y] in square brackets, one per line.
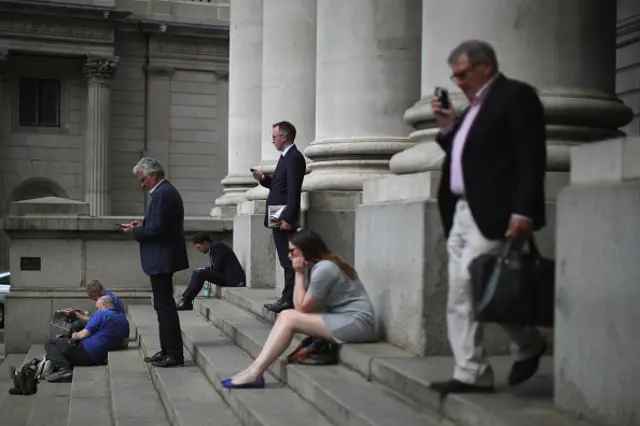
[224, 269]
[94, 290]
[103, 333]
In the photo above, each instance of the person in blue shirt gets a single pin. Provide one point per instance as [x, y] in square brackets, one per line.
[94, 290]
[103, 333]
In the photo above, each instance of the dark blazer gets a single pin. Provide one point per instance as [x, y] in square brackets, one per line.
[224, 261]
[285, 185]
[161, 235]
[503, 162]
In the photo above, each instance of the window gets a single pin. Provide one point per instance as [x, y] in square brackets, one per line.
[39, 102]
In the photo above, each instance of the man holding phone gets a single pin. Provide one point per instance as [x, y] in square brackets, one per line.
[284, 189]
[492, 186]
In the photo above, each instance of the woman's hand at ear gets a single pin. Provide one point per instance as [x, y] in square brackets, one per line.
[299, 265]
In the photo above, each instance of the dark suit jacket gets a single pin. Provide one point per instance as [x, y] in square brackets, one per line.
[285, 185]
[224, 261]
[161, 235]
[503, 162]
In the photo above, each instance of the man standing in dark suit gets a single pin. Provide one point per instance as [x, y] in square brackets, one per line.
[492, 186]
[224, 269]
[162, 252]
[284, 189]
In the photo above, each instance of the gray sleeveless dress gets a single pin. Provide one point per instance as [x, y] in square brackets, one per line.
[346, 309]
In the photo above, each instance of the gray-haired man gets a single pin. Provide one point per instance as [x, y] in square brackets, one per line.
[162, 253]
[492, 186]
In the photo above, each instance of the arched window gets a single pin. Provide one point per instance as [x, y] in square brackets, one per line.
[37, 188]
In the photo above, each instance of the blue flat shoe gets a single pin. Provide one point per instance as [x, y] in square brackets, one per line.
[225, 381]
[256, 384]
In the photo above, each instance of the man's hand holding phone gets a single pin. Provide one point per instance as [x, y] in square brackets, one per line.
[442, 108]
[257, 175]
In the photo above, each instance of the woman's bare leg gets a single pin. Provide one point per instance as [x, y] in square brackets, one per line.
[280, 337]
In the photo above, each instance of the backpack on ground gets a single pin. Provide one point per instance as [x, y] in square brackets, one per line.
[26, 378]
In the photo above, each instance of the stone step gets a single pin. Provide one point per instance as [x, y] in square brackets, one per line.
[342, 395]
[530, 404]
[218, 357]
[134, 400]
[51, 405]
[16, 408]
[13, 360]
[90, 398]
[188, 397]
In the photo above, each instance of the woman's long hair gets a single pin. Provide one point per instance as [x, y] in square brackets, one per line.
[314, 250]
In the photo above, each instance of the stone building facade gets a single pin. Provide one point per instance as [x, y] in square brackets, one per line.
[356, 78]
[88, 87]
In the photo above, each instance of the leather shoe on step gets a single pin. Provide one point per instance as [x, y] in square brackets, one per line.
[456, 386]
[279, 306]
[168, 361]
[184, 305]
[158, 355]
[521, 371]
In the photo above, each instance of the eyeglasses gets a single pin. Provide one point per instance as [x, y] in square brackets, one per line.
[461, 75]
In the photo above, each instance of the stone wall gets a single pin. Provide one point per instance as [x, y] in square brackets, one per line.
[198, 144]
[127, 124]
[37, 161]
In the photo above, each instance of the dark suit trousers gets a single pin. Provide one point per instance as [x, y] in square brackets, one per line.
[197, 282]
[281, 238]
[168, 320]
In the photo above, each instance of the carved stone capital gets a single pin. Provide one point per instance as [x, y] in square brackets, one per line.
[100, 68]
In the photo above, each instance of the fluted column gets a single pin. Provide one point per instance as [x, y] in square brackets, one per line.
[368, 73]
[245, 92]
[288, 77]
[99, 72]
[565, 48]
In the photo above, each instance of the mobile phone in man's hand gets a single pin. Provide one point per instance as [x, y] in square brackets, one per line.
[443, 96]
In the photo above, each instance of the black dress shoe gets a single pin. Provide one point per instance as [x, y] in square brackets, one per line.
[456, 386]
[158, 355]
[521, 371]
[184, 305]
[168, 361]
[279, 306]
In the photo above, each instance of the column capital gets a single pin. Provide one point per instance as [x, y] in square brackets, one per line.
[100, 68]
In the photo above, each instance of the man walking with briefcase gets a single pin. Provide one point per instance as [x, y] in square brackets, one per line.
[492, 187]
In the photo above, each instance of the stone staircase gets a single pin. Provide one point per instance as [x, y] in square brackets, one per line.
[374, 385]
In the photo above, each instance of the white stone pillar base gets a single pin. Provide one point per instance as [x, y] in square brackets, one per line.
[403, 262]
[597, 292]
[566, 110]
[253, 244]
[235, 188]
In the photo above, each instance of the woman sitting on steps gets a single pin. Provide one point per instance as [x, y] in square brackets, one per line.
[332, 304]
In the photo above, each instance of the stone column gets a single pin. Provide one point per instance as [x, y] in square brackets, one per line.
[368, 67]
[99, 72]
[544, 43]
[245, 91]
[288, 85]
[288, 77]
[368, 73]
[251, 240]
